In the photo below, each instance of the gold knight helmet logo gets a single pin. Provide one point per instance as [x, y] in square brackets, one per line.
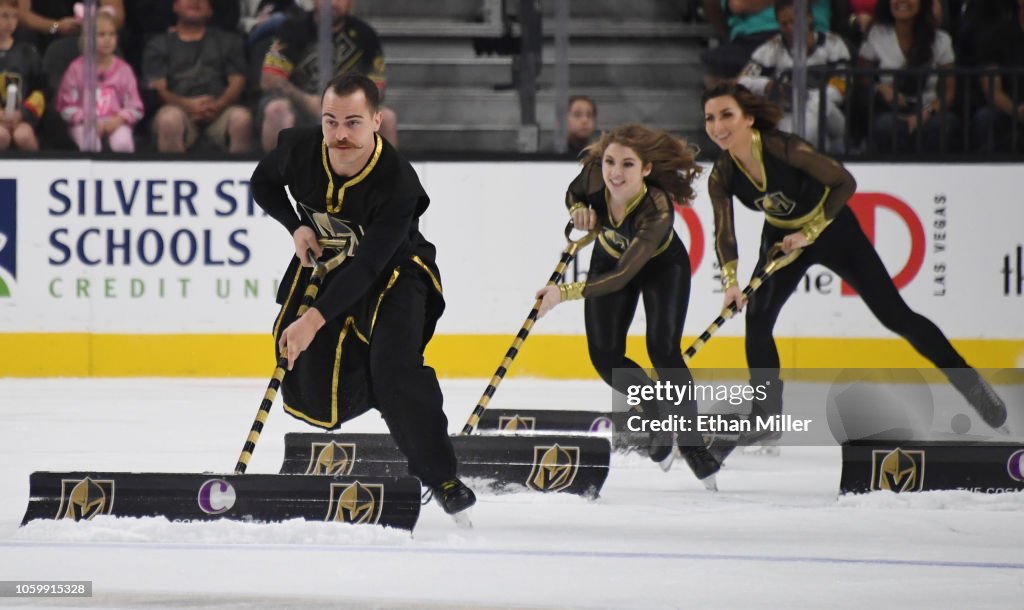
[356, 503]
[83, 499]
[514, 423]
[331, 458]
[776, 204]
[335, 232]
[554, 467]
[897, 470]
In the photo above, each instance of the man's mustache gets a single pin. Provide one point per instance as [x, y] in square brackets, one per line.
[346, 144]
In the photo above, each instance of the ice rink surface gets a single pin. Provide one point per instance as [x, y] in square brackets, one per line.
[775, 536]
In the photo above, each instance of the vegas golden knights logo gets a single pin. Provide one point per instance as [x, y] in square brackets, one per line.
[554, 467]
[776, 204]
[614, 240]
[331, 458]
[83, 499]
[514, 423]
[356, 503]
[339, 234]
[897, 470]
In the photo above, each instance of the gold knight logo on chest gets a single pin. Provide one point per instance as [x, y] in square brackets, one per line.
[333, 231]
[776, 204]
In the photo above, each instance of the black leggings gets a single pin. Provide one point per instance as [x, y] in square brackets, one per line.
[846, 250]
[664, 283]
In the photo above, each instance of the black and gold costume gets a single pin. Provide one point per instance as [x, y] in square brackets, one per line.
[807, 191]
[381, 305]
[638, 255]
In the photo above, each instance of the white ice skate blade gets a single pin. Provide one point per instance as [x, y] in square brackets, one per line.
[666, 464]
[462, 519]
[710, 483]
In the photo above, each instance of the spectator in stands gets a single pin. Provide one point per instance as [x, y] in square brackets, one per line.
[580, 123]
[904, 36]
[741, 27]
[146, 19]
[46, 20]
[770, 70]
[21, 84]
[262, 18]
[290, 76]
[994, 125]
[198, 72]
[118, 105]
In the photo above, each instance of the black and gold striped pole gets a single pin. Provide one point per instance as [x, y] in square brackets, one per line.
[567, 255]
[775, 262]
[320, 270]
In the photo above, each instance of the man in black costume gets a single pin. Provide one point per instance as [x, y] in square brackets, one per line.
[361, 343]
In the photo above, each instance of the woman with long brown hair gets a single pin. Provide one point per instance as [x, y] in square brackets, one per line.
[630, 180]
[803, 195]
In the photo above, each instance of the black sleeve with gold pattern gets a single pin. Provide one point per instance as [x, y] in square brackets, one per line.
[721, 205]
[824, 169]
[588, 182]
[653, 223]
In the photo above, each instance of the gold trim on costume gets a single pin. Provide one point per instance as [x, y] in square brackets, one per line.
[334, 209]
[391, 282]
[629, 206]
[335, 380]
[572, 291]
[291, 291]
[576, 206]
[729, 274]
[756, 149]
[437, 285]
[796, 223]
[815, 226]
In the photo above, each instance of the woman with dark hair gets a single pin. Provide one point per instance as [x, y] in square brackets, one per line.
[631, 178]
[803, 195]
[904, 36]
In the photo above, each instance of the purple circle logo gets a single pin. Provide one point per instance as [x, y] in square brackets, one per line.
[601, 424]
[216, 496]
[1015, 465]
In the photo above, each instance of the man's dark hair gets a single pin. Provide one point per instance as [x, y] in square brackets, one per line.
[583, 98]
[347, 84]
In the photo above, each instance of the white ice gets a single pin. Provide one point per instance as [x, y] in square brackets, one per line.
[776, 536]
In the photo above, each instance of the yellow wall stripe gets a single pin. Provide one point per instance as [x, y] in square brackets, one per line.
[543, 356]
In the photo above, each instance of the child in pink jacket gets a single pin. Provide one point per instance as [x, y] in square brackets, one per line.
[118, 105]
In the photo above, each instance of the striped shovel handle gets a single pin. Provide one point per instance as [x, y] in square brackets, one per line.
[776, 260]
[320, 270]
[567, 255]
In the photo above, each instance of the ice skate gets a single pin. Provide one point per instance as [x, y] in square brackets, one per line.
[982, 397]
[703, 464]
[662, 449]
[456, 499]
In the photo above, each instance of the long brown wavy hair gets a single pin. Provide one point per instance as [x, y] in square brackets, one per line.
[673, 161]
[766, 113]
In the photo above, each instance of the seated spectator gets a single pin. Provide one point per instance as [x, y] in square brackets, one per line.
[770, 69]
[198, 72]
[261, 19]
[580, 123]
[290, 80]
[46, 20]
[741, 26]
[118, 105]
[904, 36]
[21, 84]
[994, 125]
